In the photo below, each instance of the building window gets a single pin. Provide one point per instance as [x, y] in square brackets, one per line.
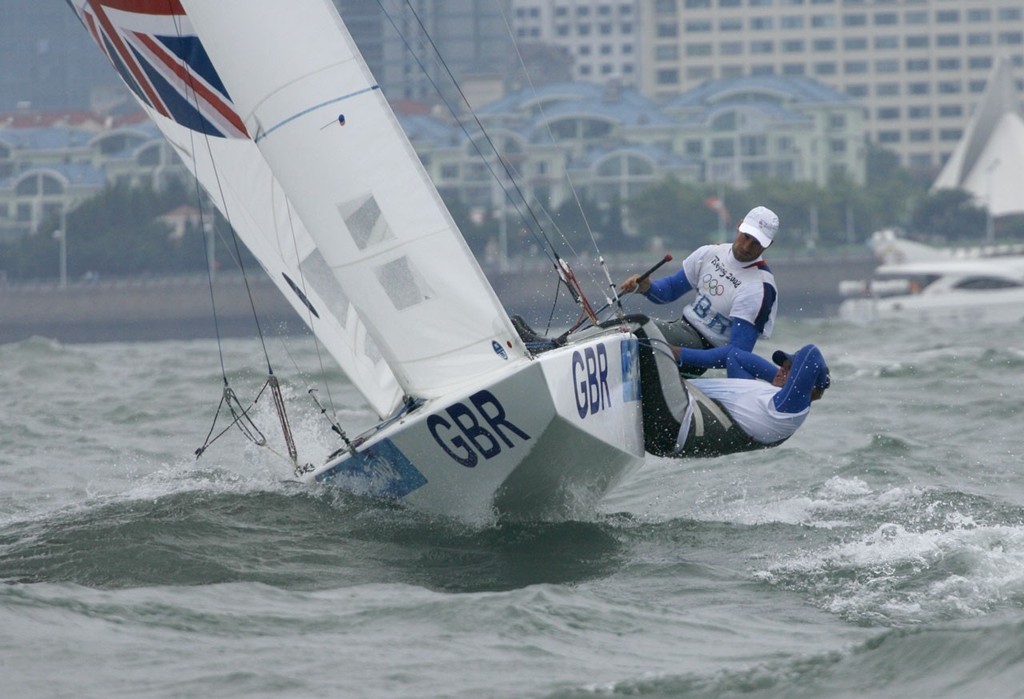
[916, 41]
[887, 42]
[700, 26]
[825, 68]
[723, 148]
[888, 136]
[979, 39]
[793, 46]
[951, 111]
[950, 134]
[950, 87]
[919, 136]
[837, 121]
[667, 76]
[730, 48]
[793, 69]
[731, 25]
[824, 44]
[762, 47]
[918, 65]
[979, 62]
[947, 17]
[666, 52]
[837, 146]
[858, 20]
[855, 44]
[888, 66]
[698, 49]
[855, 67]
[823, 21]
[667, 31]
[796, 22]
[888, 113]
[1011, 38]
[918, 88]
[887, 89]
[979, 15]
[947, 40]
[886, 19]
[915, 17]
[919, 112]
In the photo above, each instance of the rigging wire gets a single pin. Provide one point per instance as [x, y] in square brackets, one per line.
[228, 398]
[547, 247]
[568, 177]
[451, 110]
[565, 274]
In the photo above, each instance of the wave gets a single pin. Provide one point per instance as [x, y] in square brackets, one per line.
[975, 658]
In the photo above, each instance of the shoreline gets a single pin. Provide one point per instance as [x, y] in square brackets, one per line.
[165, 308]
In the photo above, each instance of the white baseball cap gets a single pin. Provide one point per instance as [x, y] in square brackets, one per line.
[761, 223]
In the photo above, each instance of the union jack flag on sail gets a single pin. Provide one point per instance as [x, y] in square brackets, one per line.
[153, 47]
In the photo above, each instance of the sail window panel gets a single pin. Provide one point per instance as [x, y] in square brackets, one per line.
[365, 222]
[402, 284]
[318, 276]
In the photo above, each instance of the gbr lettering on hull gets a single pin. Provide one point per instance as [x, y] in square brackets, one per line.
[474, 431]
[590, 379]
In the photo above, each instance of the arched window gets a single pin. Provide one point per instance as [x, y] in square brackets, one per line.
[149, 156]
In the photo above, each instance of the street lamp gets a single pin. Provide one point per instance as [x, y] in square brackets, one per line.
[61, 235]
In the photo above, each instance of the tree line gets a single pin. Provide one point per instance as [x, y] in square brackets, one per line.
[119, 232]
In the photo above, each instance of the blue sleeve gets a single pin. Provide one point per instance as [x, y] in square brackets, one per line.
[743, 334]
[795, 395]
[668, 289]
[739, 363]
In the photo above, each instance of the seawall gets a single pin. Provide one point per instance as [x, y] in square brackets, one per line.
[146, 309]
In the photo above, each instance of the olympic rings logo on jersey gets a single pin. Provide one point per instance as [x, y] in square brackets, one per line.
[712, 285]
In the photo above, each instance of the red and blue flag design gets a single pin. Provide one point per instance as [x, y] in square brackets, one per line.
[152, 46]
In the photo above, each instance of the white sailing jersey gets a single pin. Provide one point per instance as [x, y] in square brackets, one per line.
[727, 288]
[749, 403]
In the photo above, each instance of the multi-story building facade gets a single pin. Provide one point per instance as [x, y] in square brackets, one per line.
[599, 36]
[51, 163]
[918, 66]
[608, 144]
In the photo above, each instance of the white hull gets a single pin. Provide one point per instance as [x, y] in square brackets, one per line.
[545, 439]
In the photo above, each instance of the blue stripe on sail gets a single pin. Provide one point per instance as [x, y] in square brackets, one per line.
[188, 49]
[124, 72]
[293, 117]
[181, 110]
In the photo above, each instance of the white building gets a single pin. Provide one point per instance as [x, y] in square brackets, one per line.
[600, 36]
[918, 66]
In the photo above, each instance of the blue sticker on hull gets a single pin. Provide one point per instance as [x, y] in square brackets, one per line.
[630, 370]
[380, 469]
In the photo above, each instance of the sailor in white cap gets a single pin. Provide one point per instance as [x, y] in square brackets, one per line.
[736, 298]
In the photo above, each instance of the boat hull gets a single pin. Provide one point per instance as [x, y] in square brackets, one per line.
[986, 306]
[544, 440]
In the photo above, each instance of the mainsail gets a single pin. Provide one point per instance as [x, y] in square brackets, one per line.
[274, 110]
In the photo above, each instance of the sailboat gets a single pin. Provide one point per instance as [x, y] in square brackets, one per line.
[275, 112]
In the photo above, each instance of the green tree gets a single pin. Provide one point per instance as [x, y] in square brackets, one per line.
[950, 215]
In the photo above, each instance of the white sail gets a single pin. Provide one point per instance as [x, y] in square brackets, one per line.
[153, 48]
[320, 121]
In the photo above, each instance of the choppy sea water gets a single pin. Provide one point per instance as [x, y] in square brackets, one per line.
[879, 552]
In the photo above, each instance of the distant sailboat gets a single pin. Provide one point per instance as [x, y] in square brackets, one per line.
[273, 109]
